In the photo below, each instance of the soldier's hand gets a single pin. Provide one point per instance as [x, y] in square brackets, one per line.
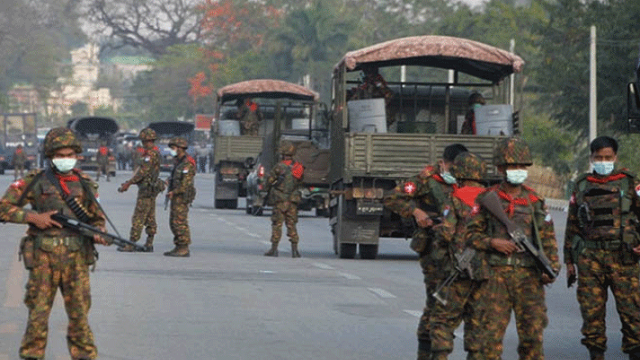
[124, 187]
[43, 220]
[571, 274]
[546, 279]
[504, 246]
[636, 250]
[170, 194]
[422, 218]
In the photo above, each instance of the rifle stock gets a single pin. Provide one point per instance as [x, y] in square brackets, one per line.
[491, 202]
[88, 230]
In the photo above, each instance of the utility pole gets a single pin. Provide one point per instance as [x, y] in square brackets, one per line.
[593, 129]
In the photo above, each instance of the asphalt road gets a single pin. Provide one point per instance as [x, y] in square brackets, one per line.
[227, 301]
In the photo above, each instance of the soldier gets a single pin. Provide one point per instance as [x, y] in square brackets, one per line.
[282, 184]
[516, 282]
[181, 192]
[146, 177]
[374, 86]
[102, 158]
[56, 257]
[422, 197]
[476, 100]
[601, 239]
[250, 117]
[462, 295]
[19, 159]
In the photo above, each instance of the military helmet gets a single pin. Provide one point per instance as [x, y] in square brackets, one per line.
[179, 142]
[60, 138]
[287, 148]
[512, 151]
[147, 134]
[468, 166]
[476, 98]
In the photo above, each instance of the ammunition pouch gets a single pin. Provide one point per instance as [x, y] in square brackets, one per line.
[421, 241]
[296, 197]
[190, 195]
[72, 243]
[158, 186]
[630, 240]
[27, 253]
[516, 259]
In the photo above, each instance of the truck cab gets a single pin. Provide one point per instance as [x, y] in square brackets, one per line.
[379, 141]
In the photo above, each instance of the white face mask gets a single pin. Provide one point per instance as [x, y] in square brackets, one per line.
[603, 167]
[516, 177]
[448, 178]
[173, 152]
[64, 165]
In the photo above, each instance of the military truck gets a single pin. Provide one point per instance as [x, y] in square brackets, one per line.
[304, 124]
[93, 132]
[377, 143]
[165, 131]
[18, 129]
[234, 154]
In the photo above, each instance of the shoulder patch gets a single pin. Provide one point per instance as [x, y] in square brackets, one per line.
[638, 190]
[409, 187]
[18, 184]
[428, 171]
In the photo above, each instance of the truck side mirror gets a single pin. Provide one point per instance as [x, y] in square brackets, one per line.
[633, 108]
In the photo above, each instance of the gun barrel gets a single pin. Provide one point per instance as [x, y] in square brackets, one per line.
[87, 229]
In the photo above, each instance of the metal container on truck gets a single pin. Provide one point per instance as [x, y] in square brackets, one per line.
[234, 153]
[379, 142]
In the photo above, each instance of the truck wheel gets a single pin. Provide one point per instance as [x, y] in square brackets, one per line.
[257, 211]
[347, 251]
[249, 209]
[232, 204]
[219, 204]
[322, 212]
[368, 251]
[1, 169]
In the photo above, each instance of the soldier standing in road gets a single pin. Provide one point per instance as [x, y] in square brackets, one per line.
[19, 160]
[250, 117]
[146, 177]
[422, 197]
[282, 184]
[602, 240]
[181, 192]
[55, 257]
[102, 158]
[462, 295]
[516, 282]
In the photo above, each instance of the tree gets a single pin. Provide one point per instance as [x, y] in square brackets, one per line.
[151, 25]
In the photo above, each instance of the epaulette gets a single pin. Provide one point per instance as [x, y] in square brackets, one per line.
[191, 160]
[533, 193]
[628, 173]
[428, 171]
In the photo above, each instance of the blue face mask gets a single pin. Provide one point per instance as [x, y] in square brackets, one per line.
[516, 177]
[173, 152]
[603, 167]
[448, 178]
[477, 106]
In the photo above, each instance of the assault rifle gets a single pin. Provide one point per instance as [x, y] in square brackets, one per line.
[88, 230]
[462, 267]
[491, 202]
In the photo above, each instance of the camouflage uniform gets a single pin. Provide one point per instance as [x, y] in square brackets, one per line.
[599, 238]
[56, 258]
[516, 283]
[182, 187]
[469, 124]
[146, 177]
[427, 191]
[250, 117]
[462, 295]
[282, 183]
[102, 158]
[374, 86]
[19, 160]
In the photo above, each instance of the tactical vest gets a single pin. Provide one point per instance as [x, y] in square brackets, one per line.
[604, 208]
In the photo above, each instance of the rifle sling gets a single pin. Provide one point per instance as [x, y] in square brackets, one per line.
[71, 202]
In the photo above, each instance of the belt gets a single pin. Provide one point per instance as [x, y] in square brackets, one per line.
[67, 241]
[603, 244]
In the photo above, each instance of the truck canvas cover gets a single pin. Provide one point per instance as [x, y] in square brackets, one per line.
[103, 127]
[265, 88]
[464, 55]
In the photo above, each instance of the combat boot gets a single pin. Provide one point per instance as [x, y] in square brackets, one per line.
[294, 250]
[273, 251]
[126, 248]
[424, 350]
[148, 246]
[179, 251]
[596, 354]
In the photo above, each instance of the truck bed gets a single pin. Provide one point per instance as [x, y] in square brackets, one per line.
[236, 148]
[404, 155]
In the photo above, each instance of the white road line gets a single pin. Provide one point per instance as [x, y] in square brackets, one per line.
[265, 242]
[254, 235]
[415, 313]
[350, 276]
[382, 293]
[323, 266]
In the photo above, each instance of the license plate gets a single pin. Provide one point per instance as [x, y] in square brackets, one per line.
[369, 208]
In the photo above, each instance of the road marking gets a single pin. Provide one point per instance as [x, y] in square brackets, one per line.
[350, 276]
[264, 242]
[415, 313]
[382, 293]
[267, 272]
[323, 266]
[14, 286]
[254, 235]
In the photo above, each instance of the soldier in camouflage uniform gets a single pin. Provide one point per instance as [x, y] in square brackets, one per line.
[102, 158]
[374, 86]
[55, 257]
[182, 192]
[422, 197]
[19, 160]
[282, 184]
[462, 295]
[250, 117]
[601, 239]
[146, 177]
[516, 282]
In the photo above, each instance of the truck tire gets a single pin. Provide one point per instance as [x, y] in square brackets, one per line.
[219, 204]
[322, 212]
[368, 251]
[232, 204]
[347, 251]
[1, 169]
[248, 209]
[343, 250]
